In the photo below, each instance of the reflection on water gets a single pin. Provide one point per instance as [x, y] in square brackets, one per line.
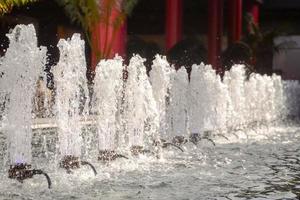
[252, 168]
[283, 175]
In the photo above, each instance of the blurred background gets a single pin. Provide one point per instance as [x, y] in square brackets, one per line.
[262, 34]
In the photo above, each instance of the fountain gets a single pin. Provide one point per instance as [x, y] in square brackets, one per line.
[140, 112]
[235, 79]
[18, 86]
[178, 104]
[71, 100]
[107, 92]
[71, 88]
[160, 81]
[136, 117]
[17, 90]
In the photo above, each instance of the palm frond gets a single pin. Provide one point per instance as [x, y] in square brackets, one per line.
[7, 5]
[128, 6]
[257, 39]
[85, 13]
[82, 12]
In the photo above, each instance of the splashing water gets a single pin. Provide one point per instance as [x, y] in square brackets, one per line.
[136, 110]
[107, 90]
[140, 107]
[160, 81]
[21, 67]
[178, 106]
[71, 94]
[199, 98]
[235, 79]
[132, 111]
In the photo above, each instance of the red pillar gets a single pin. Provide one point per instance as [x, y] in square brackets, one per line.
[215, 29]
[235, 9]
[173, 22]
[252, 8]
[108, 38]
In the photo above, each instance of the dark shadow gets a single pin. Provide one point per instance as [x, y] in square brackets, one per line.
[186, 53]
[238, 53]
[147, 50]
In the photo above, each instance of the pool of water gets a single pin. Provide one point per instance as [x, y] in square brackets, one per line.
[260, 163]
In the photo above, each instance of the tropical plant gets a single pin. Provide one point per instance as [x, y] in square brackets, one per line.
[82, 12]
[124, 8]
[262, 44]
[87, 13]
[7, 5]
[256, 38]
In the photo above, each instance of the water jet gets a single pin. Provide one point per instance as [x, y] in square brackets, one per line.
[140, 115]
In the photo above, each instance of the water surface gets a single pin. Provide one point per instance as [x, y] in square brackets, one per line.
[258, 164]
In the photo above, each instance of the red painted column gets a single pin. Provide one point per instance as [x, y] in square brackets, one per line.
[108, 38]
[215, 32]
[235, 9]
[95, 45]
[252, 8]
[173, 22]
[119, 46]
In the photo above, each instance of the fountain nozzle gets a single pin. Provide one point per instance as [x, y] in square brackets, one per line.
[70, 162]
[109, 155]
[22, 171]
[164, 144]
[137, 149]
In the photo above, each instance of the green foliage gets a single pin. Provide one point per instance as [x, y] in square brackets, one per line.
[258, 39]
[262, 44]
[86, 13]
[128, 6]
[82, 12]
[7, 5]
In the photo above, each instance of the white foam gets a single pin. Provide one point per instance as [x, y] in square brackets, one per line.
[107, 89]
[160, 81]
[140, 106]
[71, 92]
[178, 105]
[22, 65]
